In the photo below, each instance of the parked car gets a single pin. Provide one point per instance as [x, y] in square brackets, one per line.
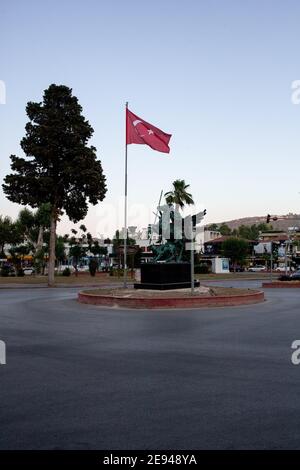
[295, 276]
[83, 269]
[257, 268]
[28, 271]
[290, 277]
[237, 269]
[281, 269]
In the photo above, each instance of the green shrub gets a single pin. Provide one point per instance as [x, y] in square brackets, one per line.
[201, 269]
[66, 272]
[5, 271]
[118, 272]
[93, 266]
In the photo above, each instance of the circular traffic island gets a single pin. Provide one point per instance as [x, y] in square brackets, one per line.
[179, 298]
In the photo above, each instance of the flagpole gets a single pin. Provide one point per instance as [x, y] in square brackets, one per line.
[125, 204]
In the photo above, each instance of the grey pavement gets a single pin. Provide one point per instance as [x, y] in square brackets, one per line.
[86, 377]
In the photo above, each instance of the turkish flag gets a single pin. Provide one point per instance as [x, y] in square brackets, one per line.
[139, 131]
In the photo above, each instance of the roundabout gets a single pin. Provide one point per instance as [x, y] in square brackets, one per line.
[223, 372]
[179, 298]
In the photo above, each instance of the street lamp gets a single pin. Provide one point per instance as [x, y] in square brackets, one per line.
[192, 257]
[271, 262]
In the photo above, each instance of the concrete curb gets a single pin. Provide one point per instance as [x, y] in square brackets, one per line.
[64, 286]
[179, 302]
[281, 285]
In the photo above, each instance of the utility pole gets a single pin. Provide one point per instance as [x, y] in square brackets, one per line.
[285, 258]
[271, 262]
[192, 258]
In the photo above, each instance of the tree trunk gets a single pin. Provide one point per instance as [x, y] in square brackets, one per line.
[40, 240]
[38, 250]
[51, 262]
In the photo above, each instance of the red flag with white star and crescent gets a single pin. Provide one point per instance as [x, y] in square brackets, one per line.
[139, 131]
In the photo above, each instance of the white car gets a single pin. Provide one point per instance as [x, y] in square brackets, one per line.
[28, 271]
[83, 269]
[257, 269]
[281, 269]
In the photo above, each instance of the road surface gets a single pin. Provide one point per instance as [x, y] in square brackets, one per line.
[86, 377]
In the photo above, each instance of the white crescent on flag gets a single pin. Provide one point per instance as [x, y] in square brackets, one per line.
[139, 131]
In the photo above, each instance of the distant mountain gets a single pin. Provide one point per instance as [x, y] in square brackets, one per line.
[285, 221]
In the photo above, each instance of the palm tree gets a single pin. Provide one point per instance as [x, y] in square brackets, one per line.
[179, 195]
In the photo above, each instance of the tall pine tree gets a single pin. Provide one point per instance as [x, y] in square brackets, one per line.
[60, 168]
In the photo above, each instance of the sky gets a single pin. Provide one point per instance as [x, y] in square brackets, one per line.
[216, 74]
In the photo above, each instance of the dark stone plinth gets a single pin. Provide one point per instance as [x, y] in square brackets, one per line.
[163, 276]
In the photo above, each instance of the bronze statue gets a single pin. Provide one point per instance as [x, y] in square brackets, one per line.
[173, 233]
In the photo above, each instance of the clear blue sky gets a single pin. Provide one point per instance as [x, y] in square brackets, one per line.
[216, 74]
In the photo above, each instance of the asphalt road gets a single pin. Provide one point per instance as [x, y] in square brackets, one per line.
[84, 377]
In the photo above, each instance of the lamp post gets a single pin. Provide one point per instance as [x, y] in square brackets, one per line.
[285, 257]
[271, 262]
[192, 258]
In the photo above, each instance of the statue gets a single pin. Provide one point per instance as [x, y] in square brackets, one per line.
[173, 233]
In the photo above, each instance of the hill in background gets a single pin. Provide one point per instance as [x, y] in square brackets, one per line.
[288, 220]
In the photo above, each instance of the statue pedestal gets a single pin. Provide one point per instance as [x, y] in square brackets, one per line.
[164, 276]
